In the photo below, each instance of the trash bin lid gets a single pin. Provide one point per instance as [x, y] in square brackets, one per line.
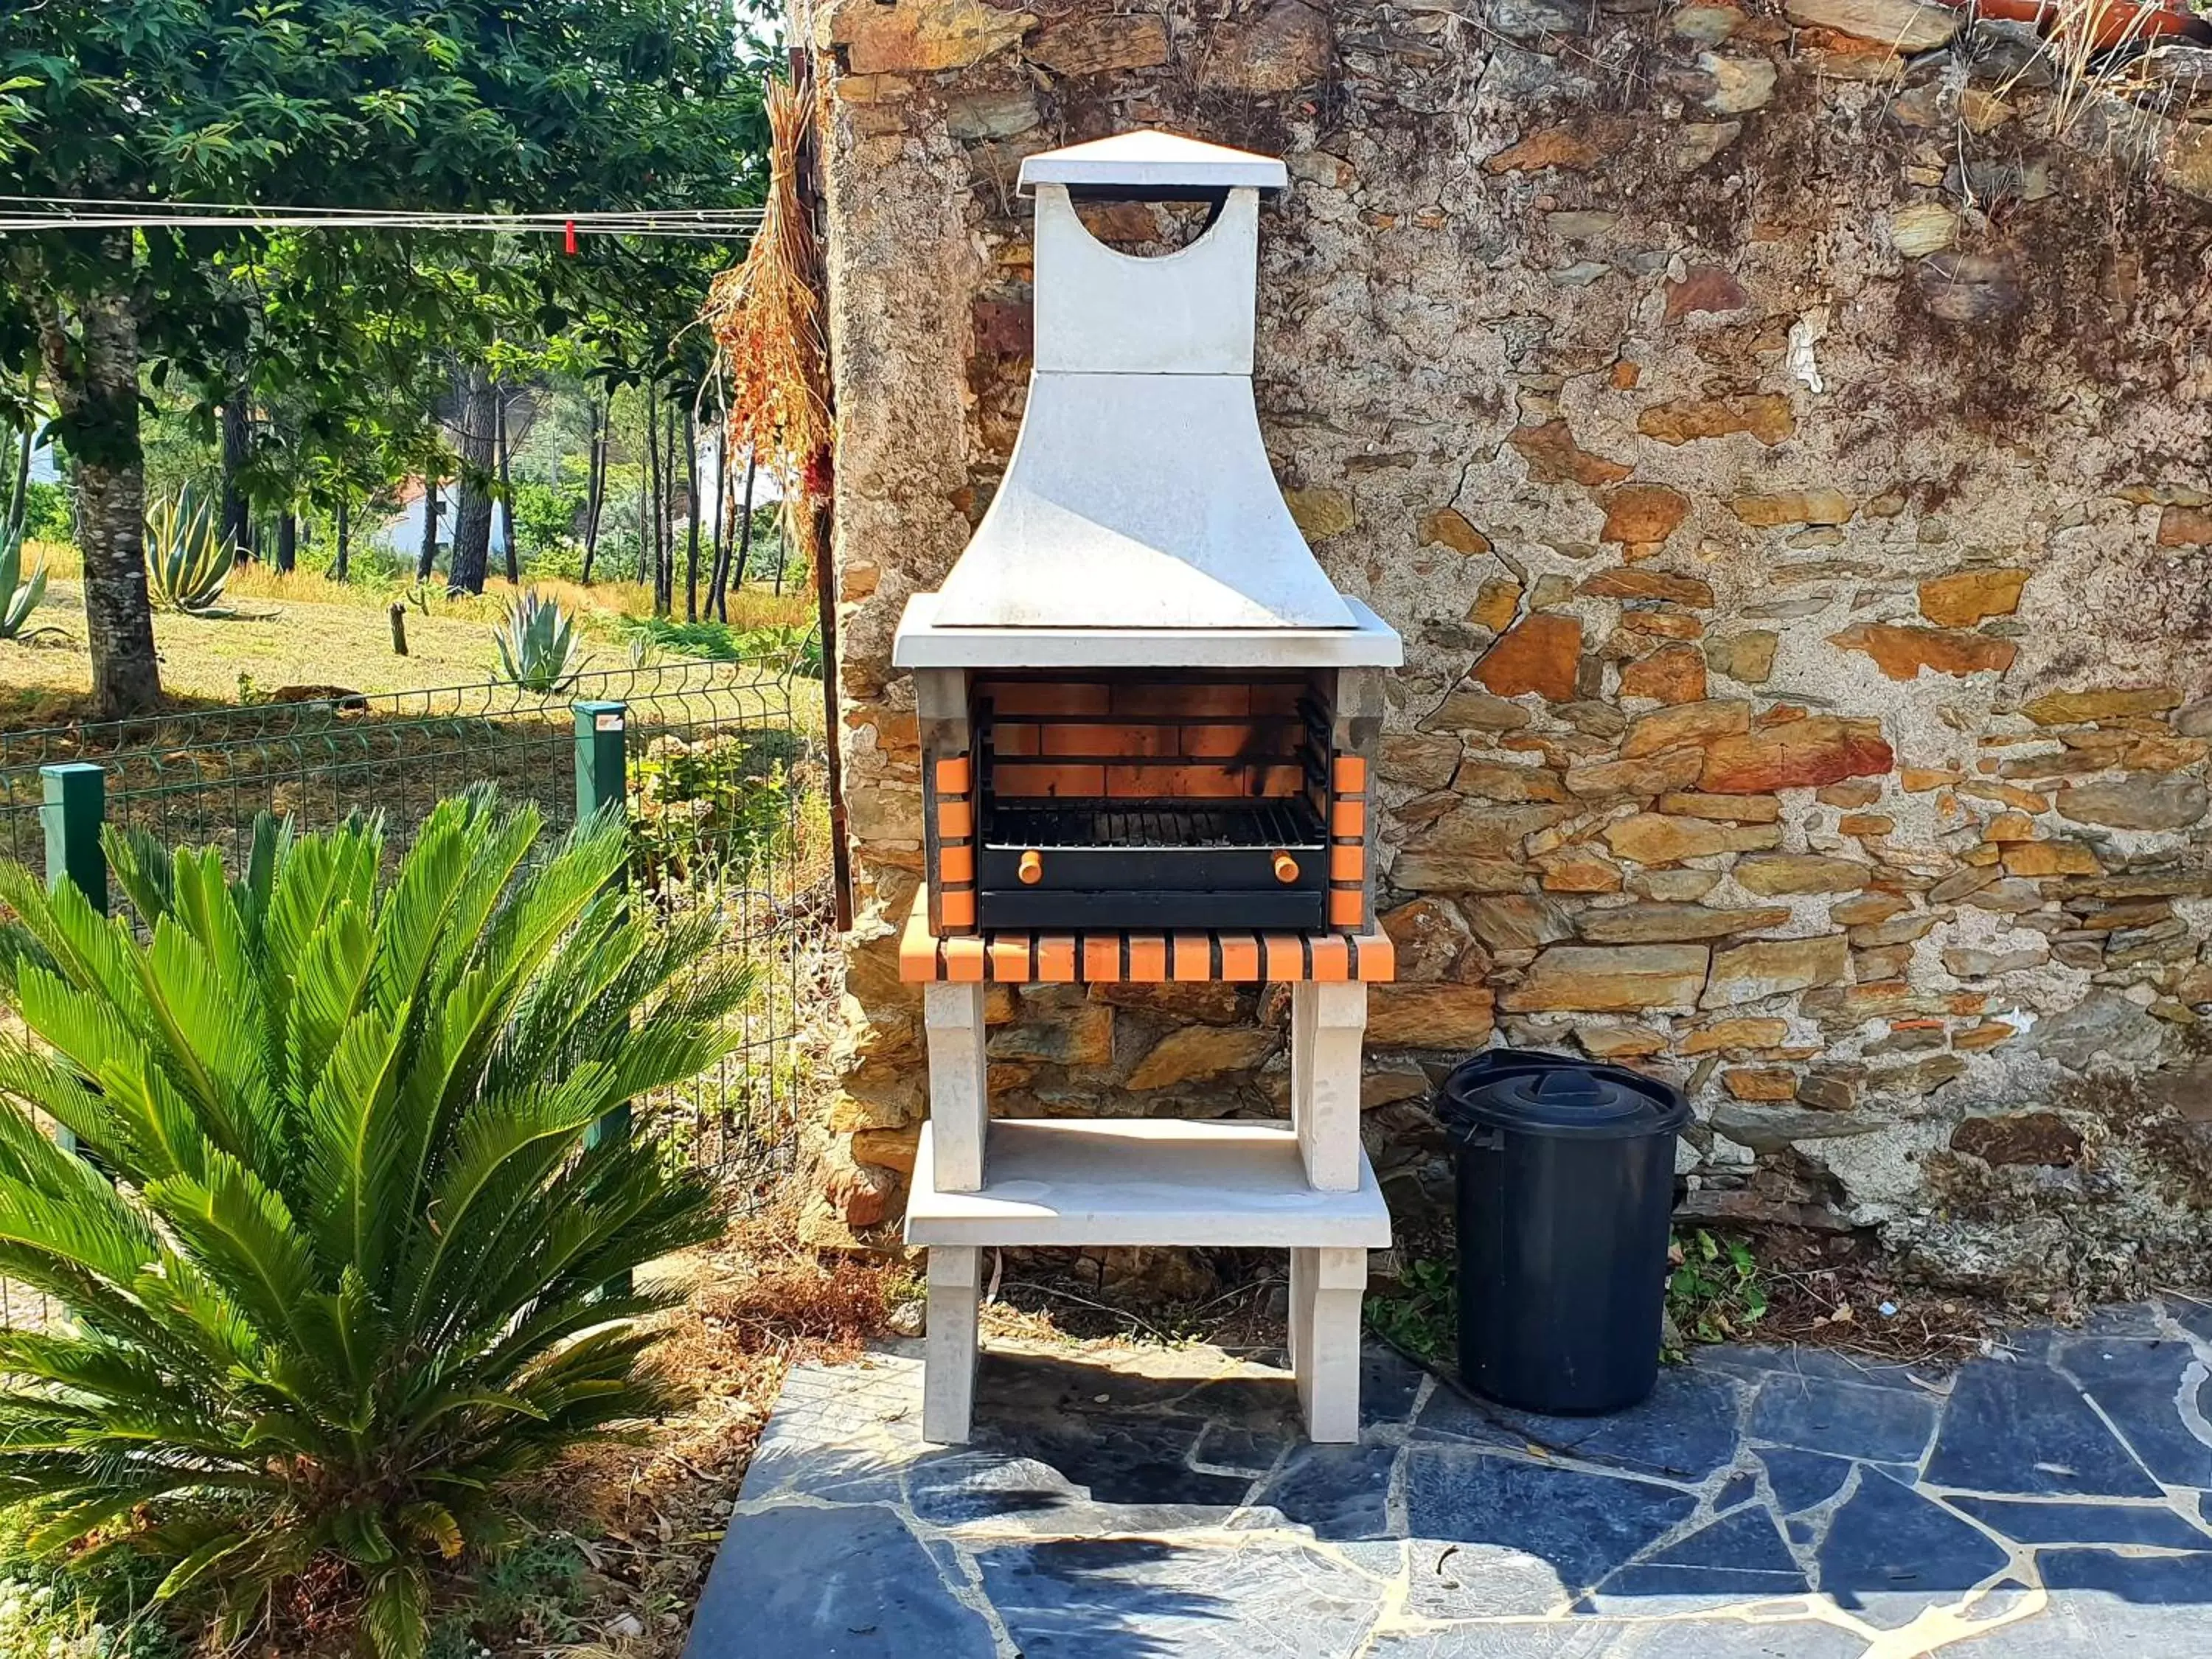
[1486, 1063]
[1580, 1101]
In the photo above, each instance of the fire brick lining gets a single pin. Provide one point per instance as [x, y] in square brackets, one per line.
[1017, 959]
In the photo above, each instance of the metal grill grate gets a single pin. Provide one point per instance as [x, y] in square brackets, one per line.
[1068, 825]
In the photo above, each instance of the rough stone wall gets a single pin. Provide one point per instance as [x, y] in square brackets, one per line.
[1786, 458]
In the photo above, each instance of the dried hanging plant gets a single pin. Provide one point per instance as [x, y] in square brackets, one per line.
[766, 317]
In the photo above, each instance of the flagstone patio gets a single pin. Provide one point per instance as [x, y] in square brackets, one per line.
[2048, 1500]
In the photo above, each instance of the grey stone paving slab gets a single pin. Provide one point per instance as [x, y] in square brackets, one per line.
[1765, 1503]
[1241, 1448]
[1340, 1492]
[2146, 1580]
[1890, 1552]
[1023, 1494]
[1123, 1459]
[2017, 1428]
[831, 1583]
[1742, 1487]
[1746, 1541]
[1390, 1383]
[2192, 1315]
[1684, 1431]
[1887, 1425]
[1609, 1639]
[1803, 1480]
[1455, 1581]
[2139, 1384]
[1123, 1598]
[2026, 1523]
[2128, 1319]
[1753, 1364]
[1741, 1558]
[1450, 1416]
[1582, 1525]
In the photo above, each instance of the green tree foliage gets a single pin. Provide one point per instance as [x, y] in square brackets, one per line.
[337, 1279]
[440, 104]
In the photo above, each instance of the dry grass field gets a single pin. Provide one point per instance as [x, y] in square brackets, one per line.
[304, 629]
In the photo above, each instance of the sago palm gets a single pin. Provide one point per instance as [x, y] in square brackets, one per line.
[336, 1272]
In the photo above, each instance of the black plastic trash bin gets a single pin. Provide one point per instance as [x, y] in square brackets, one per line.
[1566, 1182]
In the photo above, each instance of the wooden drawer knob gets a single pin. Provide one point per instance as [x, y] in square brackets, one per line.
[1031, 868]
[1286, 868]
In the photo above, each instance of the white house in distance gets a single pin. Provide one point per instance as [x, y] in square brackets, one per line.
[401, 535]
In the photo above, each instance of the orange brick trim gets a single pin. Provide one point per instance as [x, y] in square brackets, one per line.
[1014, 958]
[953, 776]
[1348, 851]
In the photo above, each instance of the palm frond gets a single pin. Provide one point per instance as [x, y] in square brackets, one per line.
[341, 1279]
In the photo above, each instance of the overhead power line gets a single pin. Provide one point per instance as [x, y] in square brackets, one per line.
[48, 213]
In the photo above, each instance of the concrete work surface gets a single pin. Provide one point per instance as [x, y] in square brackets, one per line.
[2047, 1500]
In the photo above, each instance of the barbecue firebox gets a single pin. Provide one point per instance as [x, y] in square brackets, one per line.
[1129, 800]
[1148, 726]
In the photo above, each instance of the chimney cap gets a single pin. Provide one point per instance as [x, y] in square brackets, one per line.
[1152, 164]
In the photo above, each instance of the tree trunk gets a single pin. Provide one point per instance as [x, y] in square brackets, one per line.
[718, 576]
[783, 544]
[664, 575]
[648, 490]
[288, 542]
[338, 571]
[595, 488]
[506, 494]
[19, 497]
[472, 554]
[745, 529]
[428, 561]
[93, 359]
[237, 527]
[691, 516]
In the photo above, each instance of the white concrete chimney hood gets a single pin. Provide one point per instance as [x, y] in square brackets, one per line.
[1140, 521]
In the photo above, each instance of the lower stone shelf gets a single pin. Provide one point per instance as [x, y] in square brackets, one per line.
[1144, 1181]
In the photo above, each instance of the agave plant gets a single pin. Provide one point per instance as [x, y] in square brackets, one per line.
[187, 561]
[346, 1260]
[538, 647]
[18, 598]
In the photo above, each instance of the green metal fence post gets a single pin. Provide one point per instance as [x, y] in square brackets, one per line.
[75, 806]
[602, 729]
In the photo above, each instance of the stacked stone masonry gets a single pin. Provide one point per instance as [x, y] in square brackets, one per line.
[1784, 451]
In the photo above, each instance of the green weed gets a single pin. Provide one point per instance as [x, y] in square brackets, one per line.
[1713, 1293]
[1420, 1313]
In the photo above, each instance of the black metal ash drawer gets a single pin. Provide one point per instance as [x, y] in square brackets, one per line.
[1092, 864]
[1290, 910]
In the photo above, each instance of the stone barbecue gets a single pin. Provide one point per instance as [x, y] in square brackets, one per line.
[1149, 725]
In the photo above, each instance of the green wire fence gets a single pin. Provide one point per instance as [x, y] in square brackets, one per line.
[718, 765]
